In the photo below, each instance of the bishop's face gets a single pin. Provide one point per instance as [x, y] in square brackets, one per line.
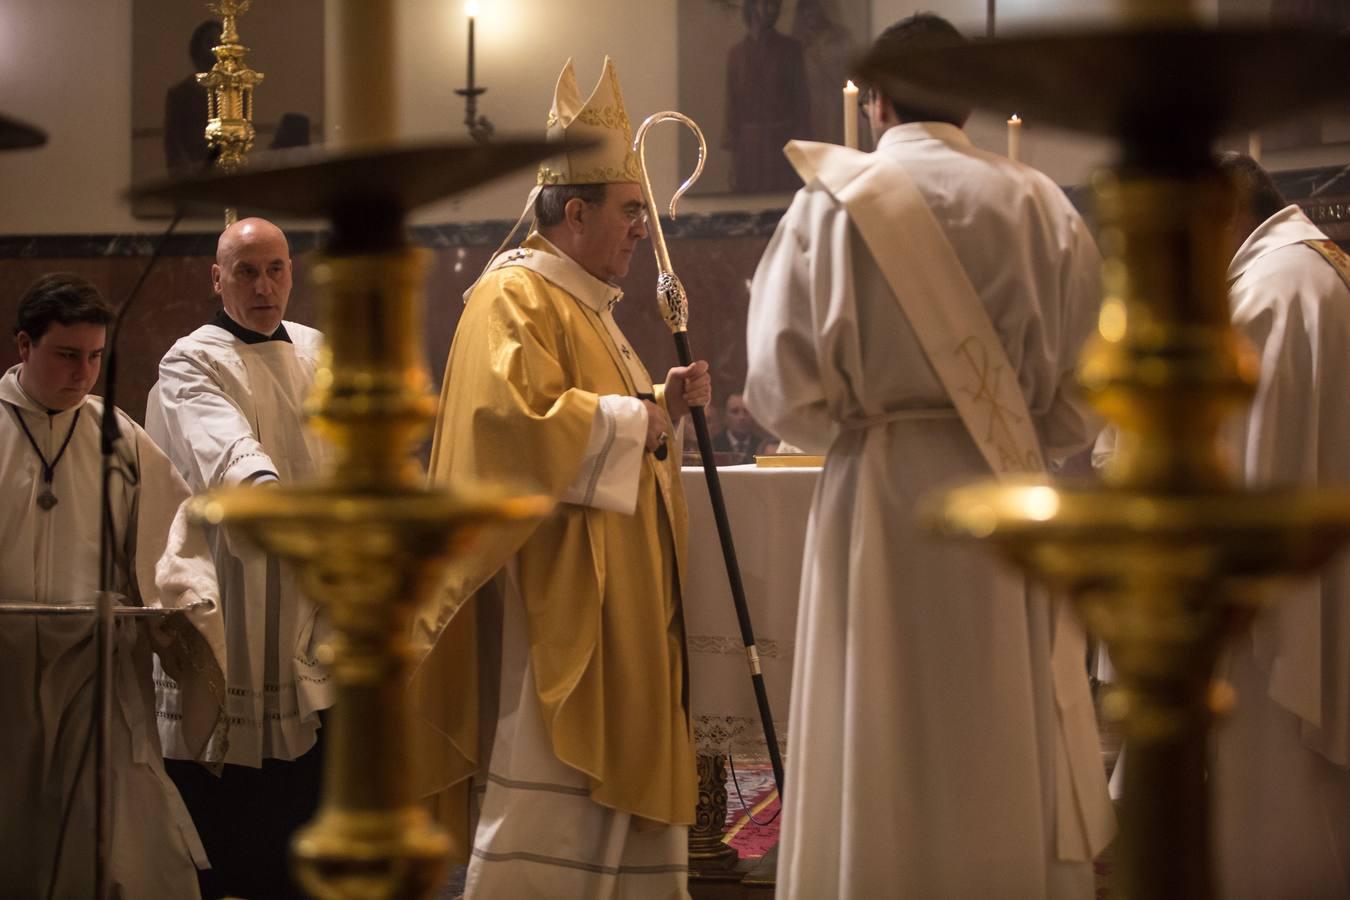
[253, 277]
[60, 367]
[608, 234]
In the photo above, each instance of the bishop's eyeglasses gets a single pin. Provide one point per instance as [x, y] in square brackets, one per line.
[636, 215]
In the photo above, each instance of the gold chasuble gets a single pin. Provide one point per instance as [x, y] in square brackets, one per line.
[531, 358]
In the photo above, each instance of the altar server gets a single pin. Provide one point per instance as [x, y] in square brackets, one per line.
[228, 410]
[584, 750]
[917, 316]
[1282, 764]
[50, 476]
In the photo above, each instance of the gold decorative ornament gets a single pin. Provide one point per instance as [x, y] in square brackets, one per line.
[708, 850]
[790, 461]
[229, 90]
[229, 94]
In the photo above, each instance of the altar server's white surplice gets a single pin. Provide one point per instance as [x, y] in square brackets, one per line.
[933, 750]
[1283, 761]
[229, 412]
[47, 663]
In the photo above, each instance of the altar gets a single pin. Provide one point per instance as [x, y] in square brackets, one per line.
[768, 509]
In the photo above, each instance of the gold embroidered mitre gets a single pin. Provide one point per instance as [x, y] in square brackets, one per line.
[603, 120]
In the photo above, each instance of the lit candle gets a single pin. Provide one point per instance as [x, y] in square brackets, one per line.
[1014, 136]
[471, 9]
[1254, 145]
[851, 116]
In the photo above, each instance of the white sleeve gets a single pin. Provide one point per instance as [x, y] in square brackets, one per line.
[1070, 425]
[1105, 448]
[784, 382]
[202, 428]
[612, 463]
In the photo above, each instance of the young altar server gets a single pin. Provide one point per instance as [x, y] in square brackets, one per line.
[50, 476]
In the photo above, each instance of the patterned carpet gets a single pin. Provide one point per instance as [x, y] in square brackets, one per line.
[752, 826]
[752, 819]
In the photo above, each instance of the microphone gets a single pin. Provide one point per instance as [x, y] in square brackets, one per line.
[109, 435]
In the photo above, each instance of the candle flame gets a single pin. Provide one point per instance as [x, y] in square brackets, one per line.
[471, 8]
[1016, 119]
[851, 86]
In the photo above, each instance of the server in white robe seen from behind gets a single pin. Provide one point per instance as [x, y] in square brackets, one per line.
[228, 411]
[50, 477]
[943, 742]
[1282, 782]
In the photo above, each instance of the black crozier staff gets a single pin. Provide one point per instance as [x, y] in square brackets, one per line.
[675, 310]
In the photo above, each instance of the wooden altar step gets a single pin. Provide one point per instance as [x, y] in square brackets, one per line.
[749, 879]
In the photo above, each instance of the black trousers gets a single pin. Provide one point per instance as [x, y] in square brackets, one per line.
[246, 818]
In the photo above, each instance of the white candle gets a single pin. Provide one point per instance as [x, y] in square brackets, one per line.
[1254, 145]
[851, 116]
[1014, 136]
[471, 9]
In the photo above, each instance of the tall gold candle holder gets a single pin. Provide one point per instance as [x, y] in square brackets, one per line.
[1164, 561]
[370, 540]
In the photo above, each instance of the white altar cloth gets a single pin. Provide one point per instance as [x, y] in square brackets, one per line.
[768, 509]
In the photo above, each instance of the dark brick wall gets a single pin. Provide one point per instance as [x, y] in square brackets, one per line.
[177, 298]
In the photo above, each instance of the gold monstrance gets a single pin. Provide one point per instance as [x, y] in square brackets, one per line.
[369, 539]
[1162, 561]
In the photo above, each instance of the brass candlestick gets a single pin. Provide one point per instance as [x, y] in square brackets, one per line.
[480, 129]
[369, 539]
[1163, 562]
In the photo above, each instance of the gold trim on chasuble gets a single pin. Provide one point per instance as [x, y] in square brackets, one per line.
[1333, 254]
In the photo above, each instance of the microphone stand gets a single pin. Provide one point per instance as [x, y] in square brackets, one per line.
[109, 437]
[675, 310]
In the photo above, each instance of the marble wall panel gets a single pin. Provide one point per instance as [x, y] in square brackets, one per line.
[177, 298]
[715, 255]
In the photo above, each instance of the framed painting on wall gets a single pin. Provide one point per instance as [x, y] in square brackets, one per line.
[757, 73]
[172, 41]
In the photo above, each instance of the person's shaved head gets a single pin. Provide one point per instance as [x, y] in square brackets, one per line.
[247, 232]
[252, 274]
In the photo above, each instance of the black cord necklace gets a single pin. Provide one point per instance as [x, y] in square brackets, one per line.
[46, 499]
